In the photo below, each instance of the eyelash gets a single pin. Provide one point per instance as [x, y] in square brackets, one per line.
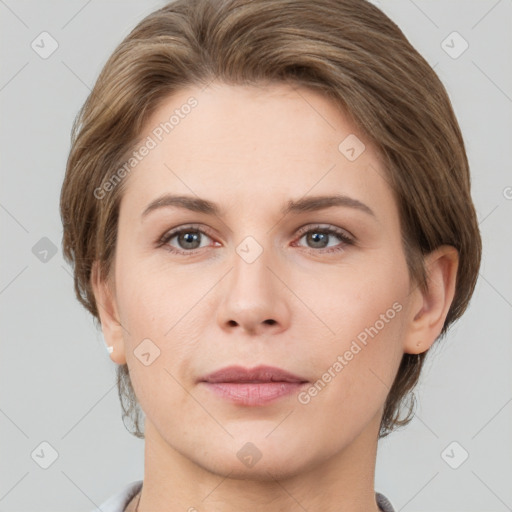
[345, 239]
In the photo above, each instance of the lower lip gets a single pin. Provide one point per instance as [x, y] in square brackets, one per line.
[253, 393]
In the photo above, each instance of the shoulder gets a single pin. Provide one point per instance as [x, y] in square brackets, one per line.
[119, 501]
[383, 503]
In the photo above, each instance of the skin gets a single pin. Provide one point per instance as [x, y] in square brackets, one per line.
[252, 149]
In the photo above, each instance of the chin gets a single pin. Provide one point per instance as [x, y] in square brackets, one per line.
[264, 470]
[260, 459]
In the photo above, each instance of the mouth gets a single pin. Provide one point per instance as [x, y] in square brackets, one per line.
[252, 386]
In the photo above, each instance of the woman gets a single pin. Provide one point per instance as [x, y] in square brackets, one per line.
[267, 205]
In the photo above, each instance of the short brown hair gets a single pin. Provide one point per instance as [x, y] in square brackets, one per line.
[346, 49]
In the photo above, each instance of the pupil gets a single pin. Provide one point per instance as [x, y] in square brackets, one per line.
[318, 237]
[190, 238]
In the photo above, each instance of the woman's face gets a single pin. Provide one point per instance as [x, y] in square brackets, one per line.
[296, 263]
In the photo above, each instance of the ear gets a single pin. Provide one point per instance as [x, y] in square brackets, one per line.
[104, 295]
[430, 308]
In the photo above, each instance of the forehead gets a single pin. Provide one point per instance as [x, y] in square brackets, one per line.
[253, 144]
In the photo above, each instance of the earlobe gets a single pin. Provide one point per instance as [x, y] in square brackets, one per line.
[109, 318]
[429, 311]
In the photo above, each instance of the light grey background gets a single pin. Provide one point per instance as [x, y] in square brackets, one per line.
[57, 382]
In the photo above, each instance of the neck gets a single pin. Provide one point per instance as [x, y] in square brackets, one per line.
[343, 481]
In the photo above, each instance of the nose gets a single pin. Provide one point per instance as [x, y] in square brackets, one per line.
[254, 298]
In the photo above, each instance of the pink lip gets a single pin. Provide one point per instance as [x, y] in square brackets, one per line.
[252, 386]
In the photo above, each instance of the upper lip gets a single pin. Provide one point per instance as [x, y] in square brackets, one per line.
[257, 374]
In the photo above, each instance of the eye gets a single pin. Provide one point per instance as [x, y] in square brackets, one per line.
[188, 240]
[319, 237]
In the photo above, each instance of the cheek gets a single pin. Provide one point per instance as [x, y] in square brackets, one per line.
[161, 311]
[158, 323]
[153, 298]
[354, 372]
[365, 349]
[359, 300]
[357, 362]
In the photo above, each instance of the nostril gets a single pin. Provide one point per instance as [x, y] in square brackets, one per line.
[270, 321]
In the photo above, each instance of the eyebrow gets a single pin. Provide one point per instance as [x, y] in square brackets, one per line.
[305, 204]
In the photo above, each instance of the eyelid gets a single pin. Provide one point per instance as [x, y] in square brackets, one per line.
[178, 229]
[329, 228]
